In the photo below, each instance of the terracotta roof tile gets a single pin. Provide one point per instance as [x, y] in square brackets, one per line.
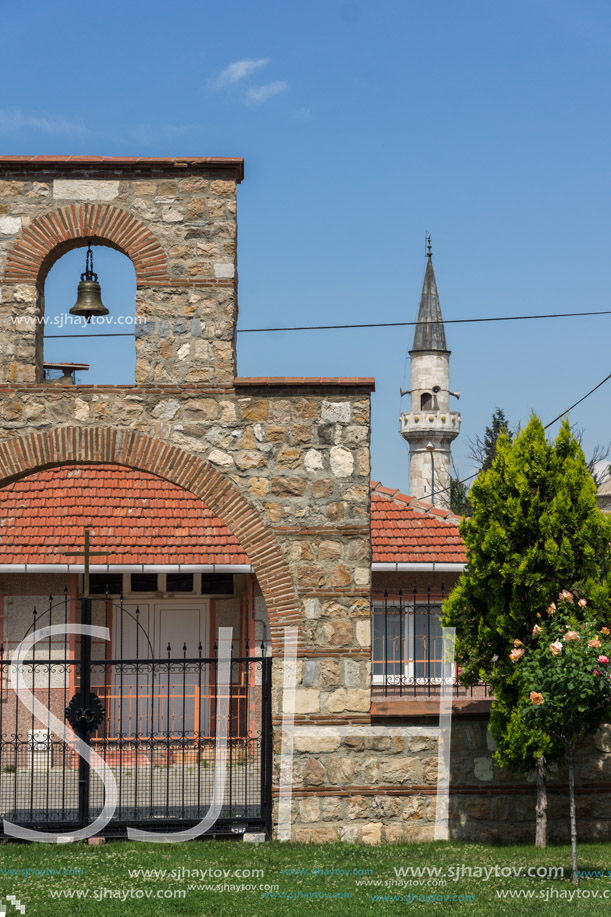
[406, 530]
[140, 518]
[137, 517]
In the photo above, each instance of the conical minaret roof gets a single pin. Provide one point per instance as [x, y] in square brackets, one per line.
[430, 333]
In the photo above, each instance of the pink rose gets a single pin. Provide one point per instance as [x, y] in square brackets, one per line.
[603, 659]
[556, 648]
[597, 672]
[536, 630]
[582, 603]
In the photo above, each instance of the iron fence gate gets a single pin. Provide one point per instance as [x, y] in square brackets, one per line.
[151, 719]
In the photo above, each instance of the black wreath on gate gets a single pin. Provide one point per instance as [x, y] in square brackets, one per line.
[85, 718]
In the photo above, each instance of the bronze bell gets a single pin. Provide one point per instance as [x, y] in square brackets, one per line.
[89, 295]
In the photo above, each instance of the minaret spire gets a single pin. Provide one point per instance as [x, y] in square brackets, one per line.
[430, 426]
[430, 333]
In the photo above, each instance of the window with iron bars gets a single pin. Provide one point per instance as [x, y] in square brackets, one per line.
[407, 640]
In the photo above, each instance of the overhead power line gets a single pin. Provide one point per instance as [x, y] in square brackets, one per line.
[444, 490]
[446, 321]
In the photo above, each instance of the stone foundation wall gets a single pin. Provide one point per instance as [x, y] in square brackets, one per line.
[383, 789]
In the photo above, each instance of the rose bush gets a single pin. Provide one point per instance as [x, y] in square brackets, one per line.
[567, 679]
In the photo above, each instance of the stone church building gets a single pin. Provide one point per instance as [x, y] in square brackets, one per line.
[215, 501]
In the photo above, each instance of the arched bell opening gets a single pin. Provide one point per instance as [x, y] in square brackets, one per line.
[87, 306]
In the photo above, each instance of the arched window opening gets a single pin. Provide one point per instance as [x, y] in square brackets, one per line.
[101, 350]
[426, 401]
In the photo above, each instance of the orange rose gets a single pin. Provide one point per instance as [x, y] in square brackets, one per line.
[567, 596]
[517, 642]
[582, 603]
[604, 630]
[536, 698]
[556, 648]
[595, 642]
[536, 630]
[551, 609]
[516, 654]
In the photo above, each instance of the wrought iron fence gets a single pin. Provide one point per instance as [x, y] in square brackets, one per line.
[152, 719]
[407, 640]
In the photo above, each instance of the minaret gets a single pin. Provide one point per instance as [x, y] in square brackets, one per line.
[430, 425]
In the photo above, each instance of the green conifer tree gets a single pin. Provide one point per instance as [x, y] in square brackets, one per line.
[535, 529]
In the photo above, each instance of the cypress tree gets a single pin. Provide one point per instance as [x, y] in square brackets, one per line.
[535, 529]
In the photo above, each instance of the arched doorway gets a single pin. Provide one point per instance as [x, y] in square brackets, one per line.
[151, 691]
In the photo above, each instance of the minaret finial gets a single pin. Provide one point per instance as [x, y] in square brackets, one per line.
[429, 252]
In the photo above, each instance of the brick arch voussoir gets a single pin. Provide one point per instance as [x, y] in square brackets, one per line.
[51, 235]
[23, 455]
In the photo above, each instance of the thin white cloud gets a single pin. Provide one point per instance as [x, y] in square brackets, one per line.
[259, 94]
[239, 70]
[17, 122]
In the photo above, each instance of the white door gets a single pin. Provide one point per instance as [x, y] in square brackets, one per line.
[168, 698]
[182, 707]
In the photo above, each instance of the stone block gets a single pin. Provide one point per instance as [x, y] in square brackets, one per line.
[482, 768]
[313, 460]
[372, 833]
[314, 744]
[309, 809]
[314, 773]
[363, 633]
[349, 700]
[323, 834]
[349, 834]
[342, 462]
[357, 807]
[85, 190]
[307, 700]
[10, 226]
[335, 411]
[341, 770]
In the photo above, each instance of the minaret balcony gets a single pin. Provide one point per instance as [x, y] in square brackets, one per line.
[447, 422]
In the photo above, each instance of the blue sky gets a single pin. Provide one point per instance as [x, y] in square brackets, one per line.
[363, 127]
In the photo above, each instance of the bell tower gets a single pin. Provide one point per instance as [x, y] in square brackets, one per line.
[430, 425]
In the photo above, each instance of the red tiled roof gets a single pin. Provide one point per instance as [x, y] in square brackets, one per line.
[142, 519]
[406, 530]
[137, 517]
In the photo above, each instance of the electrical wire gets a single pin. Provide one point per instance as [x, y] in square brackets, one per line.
[444, 490]
[446, 321]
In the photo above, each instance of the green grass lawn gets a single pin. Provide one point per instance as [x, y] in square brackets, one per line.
[320, 873]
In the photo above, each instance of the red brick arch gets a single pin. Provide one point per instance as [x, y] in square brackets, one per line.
[21, 456]
[50, 236]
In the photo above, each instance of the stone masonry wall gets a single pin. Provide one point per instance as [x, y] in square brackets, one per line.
[383, 789]
[285, 463]
[178, 228]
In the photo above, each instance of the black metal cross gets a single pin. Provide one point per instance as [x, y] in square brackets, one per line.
[86, 553]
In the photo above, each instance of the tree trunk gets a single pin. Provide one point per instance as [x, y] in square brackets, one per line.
[570, 756]
[541, 810]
